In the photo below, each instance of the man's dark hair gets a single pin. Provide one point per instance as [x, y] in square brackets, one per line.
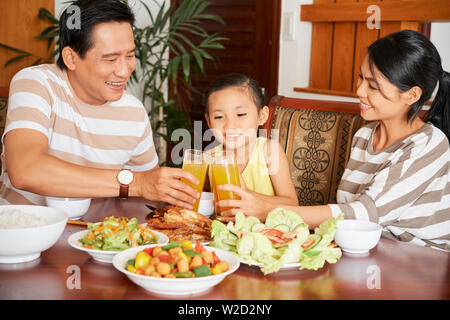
[91, 12]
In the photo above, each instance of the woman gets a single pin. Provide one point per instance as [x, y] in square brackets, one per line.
[398, 172]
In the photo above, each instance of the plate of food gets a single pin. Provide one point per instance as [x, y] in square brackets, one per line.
[103, 240]
[176, 270]
[286, 266]
[282, 242]
[180, 224]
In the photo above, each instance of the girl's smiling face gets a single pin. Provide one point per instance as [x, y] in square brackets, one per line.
[234, 116]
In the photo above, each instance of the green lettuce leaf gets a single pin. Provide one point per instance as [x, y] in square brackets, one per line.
[282, 216]
[315, 257]
[254, 247]
[244, 223]
[222, 237]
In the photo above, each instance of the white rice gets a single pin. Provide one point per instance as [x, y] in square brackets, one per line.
[17, 219]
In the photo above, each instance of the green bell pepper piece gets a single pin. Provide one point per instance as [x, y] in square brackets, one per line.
[186, 274]
[202, 271]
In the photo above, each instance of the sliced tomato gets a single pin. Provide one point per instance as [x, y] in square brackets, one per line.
[140, 271]
[216, 259]
[166, 258]
[148, 251]
[307, 244]
[199, 247]
[272, 232]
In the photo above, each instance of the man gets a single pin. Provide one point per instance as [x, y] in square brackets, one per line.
[73, 131]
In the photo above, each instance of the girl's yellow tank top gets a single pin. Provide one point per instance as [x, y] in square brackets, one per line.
[255, 174]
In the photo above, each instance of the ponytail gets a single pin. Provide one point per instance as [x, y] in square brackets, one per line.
[439, 113]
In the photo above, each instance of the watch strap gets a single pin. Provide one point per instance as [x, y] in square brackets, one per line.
[123, 193]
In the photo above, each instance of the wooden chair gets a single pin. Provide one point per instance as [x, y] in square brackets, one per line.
[316, 136]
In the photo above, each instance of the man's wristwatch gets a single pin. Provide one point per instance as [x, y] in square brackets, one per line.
[124, 177]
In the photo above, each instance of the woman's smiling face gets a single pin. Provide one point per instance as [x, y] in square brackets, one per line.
[234, 117]
[379, 98]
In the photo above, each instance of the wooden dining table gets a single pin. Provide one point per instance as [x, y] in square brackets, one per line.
[392, 270]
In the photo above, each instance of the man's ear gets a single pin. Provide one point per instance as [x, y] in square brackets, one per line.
[413, 95]
[263, 115]
[69, 57]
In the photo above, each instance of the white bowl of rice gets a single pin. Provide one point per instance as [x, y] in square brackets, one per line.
[26, 231]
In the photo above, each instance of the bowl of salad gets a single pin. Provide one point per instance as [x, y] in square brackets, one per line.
[103, 240]
[283, 241]
[176, 269]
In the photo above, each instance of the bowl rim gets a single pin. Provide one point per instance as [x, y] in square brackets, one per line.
[62, 218]
[63, 199]
[177, 280]
[349, 223]
[72, 240]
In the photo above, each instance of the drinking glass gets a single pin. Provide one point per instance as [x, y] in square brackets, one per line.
[224, 171]
[194, 162]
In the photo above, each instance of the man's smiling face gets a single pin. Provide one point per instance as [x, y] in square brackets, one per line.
[102, 74]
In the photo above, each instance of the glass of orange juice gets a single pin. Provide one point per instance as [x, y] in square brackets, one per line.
[194, 162]
[224, 171]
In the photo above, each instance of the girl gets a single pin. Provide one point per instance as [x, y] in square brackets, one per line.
[234, 111]
[398, 171]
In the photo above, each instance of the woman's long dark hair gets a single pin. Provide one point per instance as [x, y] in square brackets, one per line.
[407, 59]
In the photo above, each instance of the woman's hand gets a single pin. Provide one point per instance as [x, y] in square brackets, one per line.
[251, 204]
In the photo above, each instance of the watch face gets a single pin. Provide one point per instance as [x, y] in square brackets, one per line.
[125, 176]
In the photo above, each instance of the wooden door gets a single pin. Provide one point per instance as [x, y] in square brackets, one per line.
[253, 29]
[19, 25]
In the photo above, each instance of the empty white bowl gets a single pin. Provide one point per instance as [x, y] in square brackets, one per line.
[20, 243]
[357, 236]
[178, 286]
[75, 207]
[206, 205]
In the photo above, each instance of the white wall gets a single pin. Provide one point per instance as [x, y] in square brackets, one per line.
[295, 52]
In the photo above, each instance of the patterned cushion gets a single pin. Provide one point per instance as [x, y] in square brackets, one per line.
[317, 145]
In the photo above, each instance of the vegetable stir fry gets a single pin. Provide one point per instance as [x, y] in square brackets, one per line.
[177, 260]
[115, 234]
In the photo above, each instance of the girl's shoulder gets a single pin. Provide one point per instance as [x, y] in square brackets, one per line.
[270, 148]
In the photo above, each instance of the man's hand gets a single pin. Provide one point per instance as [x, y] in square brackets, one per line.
[164, 184]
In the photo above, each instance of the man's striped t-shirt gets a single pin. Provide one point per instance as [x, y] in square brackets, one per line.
[405, 187]
[111, 136]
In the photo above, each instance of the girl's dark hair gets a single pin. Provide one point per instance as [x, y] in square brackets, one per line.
[90, 13]
[236, 80]
[407, 59]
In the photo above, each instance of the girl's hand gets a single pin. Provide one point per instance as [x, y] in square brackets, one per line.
[250, 204]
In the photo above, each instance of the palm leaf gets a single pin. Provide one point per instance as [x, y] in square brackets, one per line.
[17, 58]
[46, 15]
[15, 49]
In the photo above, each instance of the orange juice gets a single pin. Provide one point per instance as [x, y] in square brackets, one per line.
[225, 174]
[199, 171]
